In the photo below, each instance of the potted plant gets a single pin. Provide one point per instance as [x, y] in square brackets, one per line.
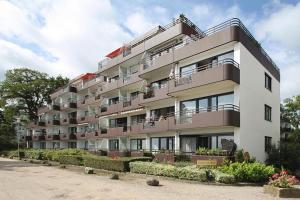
[282, 185]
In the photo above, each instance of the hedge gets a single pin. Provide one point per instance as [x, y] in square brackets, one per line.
[71, 160]
[151, 168]
[222, 177]
[120, 164]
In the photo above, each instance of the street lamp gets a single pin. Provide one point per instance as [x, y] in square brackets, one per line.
[18, 134]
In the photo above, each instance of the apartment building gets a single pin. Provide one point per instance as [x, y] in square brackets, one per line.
[175, 88]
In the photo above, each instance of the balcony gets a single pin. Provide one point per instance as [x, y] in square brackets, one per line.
[72, 89]
[154, 94]
[68, 136]
[53, 122]
[108, 109]
[92, 134]
[69, 105]
[82, 119]
[38, 138]
[154, 126]
[118, 130]
[129, 79]
[224, 70]
[216, 116]
[131, 104]
[67, 121]
[81, 136]
[93, 82]
[136, 128]
[52, 137]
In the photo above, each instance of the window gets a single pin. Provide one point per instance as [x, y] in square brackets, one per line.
[268, 82]
[188, 70]
[136, 119]
[114, 100]
[134, 95]
[113, 145]
[268, 113]
[162, 143]
[137, 144]
[268, 143]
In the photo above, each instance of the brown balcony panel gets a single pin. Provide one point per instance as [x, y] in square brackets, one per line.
[80, 136]
[82, 119]
[207, 119]
[52, 137]
[68, 136]
[41, 138]
[117, 131]
[130, 105]
[109, 86]
[136, 129]
[110, 109]
[92, 135]
[158, 94]
[54, 122]
[35, 138]
[156, 126]
[133, 78]
[201, 78]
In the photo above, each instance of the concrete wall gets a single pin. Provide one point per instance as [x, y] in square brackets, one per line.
[252, 96]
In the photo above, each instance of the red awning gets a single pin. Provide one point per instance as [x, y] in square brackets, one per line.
[87, 76]
[114, 53]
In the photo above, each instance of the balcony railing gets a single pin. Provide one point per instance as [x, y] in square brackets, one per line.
[186, 77]
[234, 22]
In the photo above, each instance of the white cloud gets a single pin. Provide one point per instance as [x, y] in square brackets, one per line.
[279, 32]
[77, 33]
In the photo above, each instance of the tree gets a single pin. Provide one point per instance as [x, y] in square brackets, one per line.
[28, 89]
[7, 128]
[291, 111]
[287, 153]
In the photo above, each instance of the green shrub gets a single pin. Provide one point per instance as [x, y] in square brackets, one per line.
[222, 177]
[249, 172]
[182, 164]
[157, 169]
[120, 164]
[36, 154]
[191, 173]
[70, 160]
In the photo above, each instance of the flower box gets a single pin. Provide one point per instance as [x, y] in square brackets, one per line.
[282, 192]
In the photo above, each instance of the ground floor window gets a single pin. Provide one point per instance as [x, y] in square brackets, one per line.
[162, 143]
[72, 145]
[114, 145]
[137, 144]
[268, 143]
[56, 145]
[190, 143]
[42, 145]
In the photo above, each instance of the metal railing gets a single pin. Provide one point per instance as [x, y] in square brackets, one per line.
[185, 77]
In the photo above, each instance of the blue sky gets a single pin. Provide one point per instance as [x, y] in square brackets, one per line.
[69, 37]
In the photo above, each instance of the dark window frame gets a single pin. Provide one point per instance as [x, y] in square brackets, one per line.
[268, 113]
[268, 143]
[112, 143]
[268, 82]
[159, 143]
[139, 144]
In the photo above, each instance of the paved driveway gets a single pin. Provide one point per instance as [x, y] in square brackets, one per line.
[25, 181]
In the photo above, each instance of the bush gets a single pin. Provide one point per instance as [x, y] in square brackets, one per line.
[191, 173]
[222, 177]
[71, 160]
[249, 172]
[120, 164]
[183, 164]
[151, 168]
[35, 154]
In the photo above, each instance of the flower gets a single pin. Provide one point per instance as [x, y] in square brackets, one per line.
[275, 176]
[284, 172]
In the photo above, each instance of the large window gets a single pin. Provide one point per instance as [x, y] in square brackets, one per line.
[268, 113]
[268, 143]
[137, 144]
[268, 82]
[136, 119]
[162, 143]
[187, 70]
[161, 112]
[114, 145]
[159, 84]
[210, 103]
